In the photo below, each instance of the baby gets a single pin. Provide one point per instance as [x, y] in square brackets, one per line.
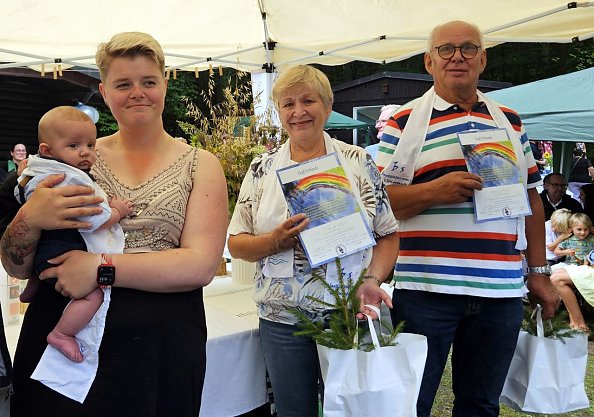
[67, 139]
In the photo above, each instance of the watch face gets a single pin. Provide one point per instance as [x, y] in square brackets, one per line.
[106, 275]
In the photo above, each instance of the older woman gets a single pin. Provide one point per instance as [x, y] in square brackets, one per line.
[261, 227]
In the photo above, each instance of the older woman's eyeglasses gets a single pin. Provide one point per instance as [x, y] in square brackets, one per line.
[467, 50]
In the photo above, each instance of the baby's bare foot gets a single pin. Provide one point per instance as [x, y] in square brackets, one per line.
[65, 344]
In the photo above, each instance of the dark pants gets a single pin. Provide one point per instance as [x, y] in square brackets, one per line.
[483, 333]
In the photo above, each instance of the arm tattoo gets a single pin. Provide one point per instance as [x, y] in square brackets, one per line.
[16, 243]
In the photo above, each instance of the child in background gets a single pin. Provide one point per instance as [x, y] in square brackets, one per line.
[67, 139]
[577, 246]
[556, 230]
[576, 271]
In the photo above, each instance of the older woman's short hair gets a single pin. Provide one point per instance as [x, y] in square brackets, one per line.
[303, 74]
[129, 45]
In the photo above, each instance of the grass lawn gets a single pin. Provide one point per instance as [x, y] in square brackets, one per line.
[442, 406]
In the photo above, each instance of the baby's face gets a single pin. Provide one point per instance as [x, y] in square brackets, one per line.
[74, 144]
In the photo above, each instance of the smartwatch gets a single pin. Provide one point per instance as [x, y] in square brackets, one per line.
[105, 272]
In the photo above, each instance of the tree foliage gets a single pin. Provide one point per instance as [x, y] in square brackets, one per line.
[517, 63]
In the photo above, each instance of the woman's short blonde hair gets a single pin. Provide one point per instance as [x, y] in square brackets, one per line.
[580, 218]
[130, 45]
[303, 74]
[561, 220]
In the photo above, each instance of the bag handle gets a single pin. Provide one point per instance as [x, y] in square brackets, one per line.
[372, 332]
[539, 324]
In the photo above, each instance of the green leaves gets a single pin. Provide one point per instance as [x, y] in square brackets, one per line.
[226, 131]
[343, 331]
[555, 328]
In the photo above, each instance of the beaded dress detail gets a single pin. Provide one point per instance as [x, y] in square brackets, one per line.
[159, 204]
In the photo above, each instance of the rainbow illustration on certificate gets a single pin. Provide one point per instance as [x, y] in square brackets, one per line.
[490, 154]
[321, 189]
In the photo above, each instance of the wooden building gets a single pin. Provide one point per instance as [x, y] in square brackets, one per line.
[25, 96]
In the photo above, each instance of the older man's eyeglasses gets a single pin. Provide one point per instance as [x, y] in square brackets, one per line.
[467, 50]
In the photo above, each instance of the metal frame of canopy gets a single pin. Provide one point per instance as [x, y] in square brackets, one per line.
[283, 37]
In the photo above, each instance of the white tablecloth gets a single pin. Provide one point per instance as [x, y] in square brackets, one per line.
[235, 372]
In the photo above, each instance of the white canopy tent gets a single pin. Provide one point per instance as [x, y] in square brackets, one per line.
[263, 35]
[250, 34]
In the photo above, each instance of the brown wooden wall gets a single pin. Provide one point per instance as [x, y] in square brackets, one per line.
[25, 96]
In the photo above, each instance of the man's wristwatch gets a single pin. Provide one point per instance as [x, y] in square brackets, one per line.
[546, 270]
[105, 272]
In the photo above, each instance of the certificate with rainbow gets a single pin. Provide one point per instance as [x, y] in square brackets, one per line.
[490, 154]
[337, 224]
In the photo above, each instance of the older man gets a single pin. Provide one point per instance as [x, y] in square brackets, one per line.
[554, 196]
[458, 281]
[385, 113]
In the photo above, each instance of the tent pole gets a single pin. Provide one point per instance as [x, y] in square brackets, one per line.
[264, 110]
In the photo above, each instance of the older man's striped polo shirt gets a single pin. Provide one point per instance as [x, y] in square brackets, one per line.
[443, 249]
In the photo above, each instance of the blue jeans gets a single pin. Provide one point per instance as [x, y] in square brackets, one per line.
[293, 368]
[483, 333]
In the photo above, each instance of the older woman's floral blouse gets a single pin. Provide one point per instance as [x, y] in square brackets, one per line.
[275, 296]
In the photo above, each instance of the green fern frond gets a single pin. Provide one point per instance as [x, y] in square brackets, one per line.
[342, 330]
[555, 328]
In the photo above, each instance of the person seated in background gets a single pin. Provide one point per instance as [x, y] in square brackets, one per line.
[18, 154]
[556, 230]
[576, 272]
[587, 199]
[581, 172]
[577, 246]
[386, 112]
[554, 197]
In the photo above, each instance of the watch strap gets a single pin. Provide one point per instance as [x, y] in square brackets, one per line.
[545, 269]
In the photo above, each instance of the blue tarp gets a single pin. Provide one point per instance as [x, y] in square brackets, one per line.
[559, 108]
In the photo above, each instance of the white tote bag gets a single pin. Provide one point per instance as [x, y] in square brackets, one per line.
[547, 375]
[383, 382]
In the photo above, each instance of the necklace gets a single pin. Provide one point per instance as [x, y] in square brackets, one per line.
[308, 157]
